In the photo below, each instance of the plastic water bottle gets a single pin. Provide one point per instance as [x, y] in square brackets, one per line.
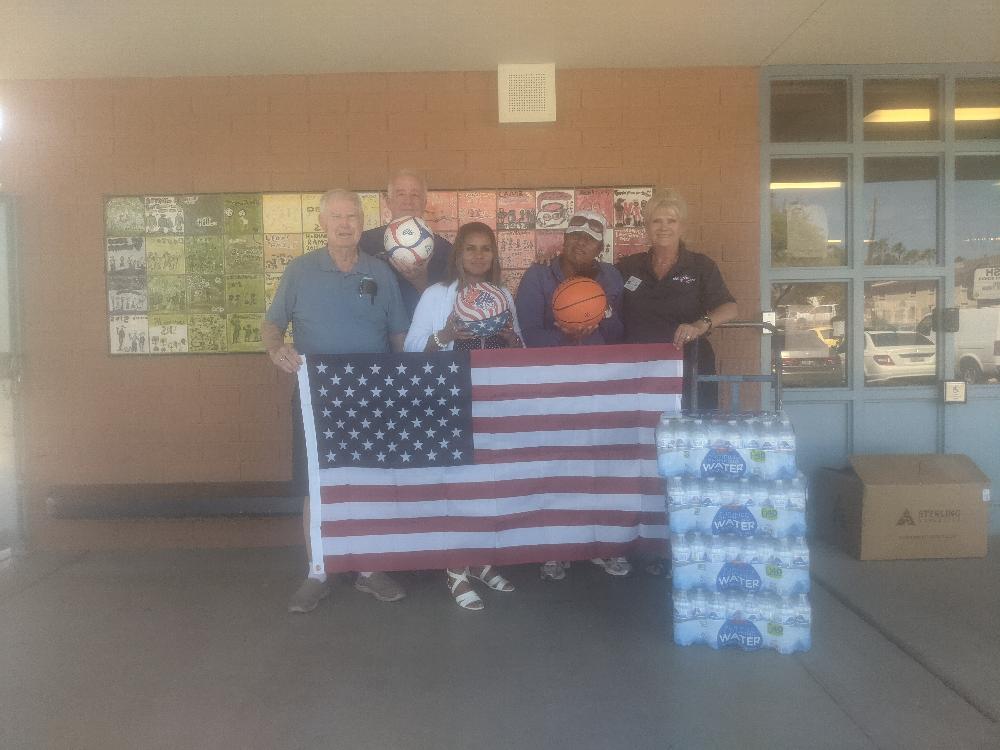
[699, 604]
[801, 634]
[699, 550]
[727, 493]
[768, 444]
[692, 493]
[783, 553]
[675, 493]
[698, 446]
[785, 615]
[778, 495]
[716, 434]
[751, 433]
[680, 548]
[733, 549]
[800, 553]
[734, 434]
[716, 551]
[717, 606]
[765, 550]
[797, 493]
[685, 627]
[786, 447]
[744, 491]
[670, 461]
[683, 435]
[752, 608]
[682, 605]
[758, 491]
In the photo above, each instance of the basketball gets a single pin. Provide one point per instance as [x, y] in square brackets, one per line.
[579, 303]
[482, 309]
[408, 242]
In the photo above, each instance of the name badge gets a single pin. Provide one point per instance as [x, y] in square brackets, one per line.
[633, 283]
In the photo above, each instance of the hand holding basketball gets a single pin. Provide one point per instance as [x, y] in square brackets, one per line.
[578, 306]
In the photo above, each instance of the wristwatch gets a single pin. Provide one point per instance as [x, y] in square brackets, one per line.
[708, 320]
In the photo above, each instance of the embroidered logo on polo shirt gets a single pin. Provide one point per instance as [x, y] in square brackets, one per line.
[683, 279]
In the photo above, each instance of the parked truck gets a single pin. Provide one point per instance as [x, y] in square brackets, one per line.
[977, 343]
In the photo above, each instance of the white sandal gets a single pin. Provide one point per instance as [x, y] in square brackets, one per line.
[468, 600]
[496, 581]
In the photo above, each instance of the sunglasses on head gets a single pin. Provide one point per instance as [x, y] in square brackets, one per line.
[583, 221]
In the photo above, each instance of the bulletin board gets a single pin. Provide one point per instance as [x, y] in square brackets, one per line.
[193, 274]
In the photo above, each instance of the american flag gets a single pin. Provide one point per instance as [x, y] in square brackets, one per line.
[447, 459]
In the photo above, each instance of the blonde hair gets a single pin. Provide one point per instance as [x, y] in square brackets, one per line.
[665, 198]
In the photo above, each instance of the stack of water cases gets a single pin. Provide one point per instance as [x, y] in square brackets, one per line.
[737, 507]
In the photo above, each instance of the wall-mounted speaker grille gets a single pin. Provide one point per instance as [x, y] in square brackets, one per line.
[527, 93]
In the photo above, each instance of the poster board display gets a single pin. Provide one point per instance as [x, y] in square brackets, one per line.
[194, 274]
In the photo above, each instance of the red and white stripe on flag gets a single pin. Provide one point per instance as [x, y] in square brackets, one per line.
[564, 467]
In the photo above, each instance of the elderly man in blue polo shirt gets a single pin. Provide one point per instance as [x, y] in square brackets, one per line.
[339, 301]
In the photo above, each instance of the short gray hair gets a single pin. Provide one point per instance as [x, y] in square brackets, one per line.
[665, 198]
[349, 195]
[407, 173]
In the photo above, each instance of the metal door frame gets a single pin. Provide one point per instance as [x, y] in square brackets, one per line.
[855, 395]
[9, 237]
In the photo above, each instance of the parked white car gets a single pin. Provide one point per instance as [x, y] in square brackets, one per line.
[899, 355]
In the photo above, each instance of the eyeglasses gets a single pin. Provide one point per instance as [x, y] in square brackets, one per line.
[583, 221]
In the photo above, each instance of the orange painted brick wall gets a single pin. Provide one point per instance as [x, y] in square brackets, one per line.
[91, 418]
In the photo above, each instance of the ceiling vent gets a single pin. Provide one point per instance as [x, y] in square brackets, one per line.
[527, 93]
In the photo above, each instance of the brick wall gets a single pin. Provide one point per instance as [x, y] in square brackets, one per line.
[90, 418]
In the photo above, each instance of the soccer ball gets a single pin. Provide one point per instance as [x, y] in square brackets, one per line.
[408, 242]
[481, 309]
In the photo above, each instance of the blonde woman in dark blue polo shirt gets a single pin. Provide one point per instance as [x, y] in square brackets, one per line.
[673, 294]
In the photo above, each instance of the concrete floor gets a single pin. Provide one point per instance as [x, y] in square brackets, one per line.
[193, 649]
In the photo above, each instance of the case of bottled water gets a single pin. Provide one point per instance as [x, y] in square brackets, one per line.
[759, 445]
[744, 621]
[737, 515]
[752, 565]
[746, 507]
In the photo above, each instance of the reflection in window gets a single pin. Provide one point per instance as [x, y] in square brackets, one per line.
[977, 268]
[977, 108]
[900, 200]
[901, 109]
[896, 349]
[811, 325]
[808, 212]
[808, 111]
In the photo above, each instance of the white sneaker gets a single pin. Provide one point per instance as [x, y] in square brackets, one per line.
[553, 570]
[614, 566]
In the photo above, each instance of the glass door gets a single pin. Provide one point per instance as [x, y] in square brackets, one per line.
[10, 513]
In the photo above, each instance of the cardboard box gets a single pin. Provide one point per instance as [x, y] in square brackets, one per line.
[897, 507]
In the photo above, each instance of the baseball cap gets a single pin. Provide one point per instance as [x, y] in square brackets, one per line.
[588, 222]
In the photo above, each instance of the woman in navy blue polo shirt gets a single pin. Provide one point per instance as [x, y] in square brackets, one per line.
[673, 294]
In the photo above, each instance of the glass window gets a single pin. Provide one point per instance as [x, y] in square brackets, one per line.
[977, 267]
[901, 109]
[808, 111]
[810, 321]
[896, 350]
[808, 212]
[900, 205]
[977, 108]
